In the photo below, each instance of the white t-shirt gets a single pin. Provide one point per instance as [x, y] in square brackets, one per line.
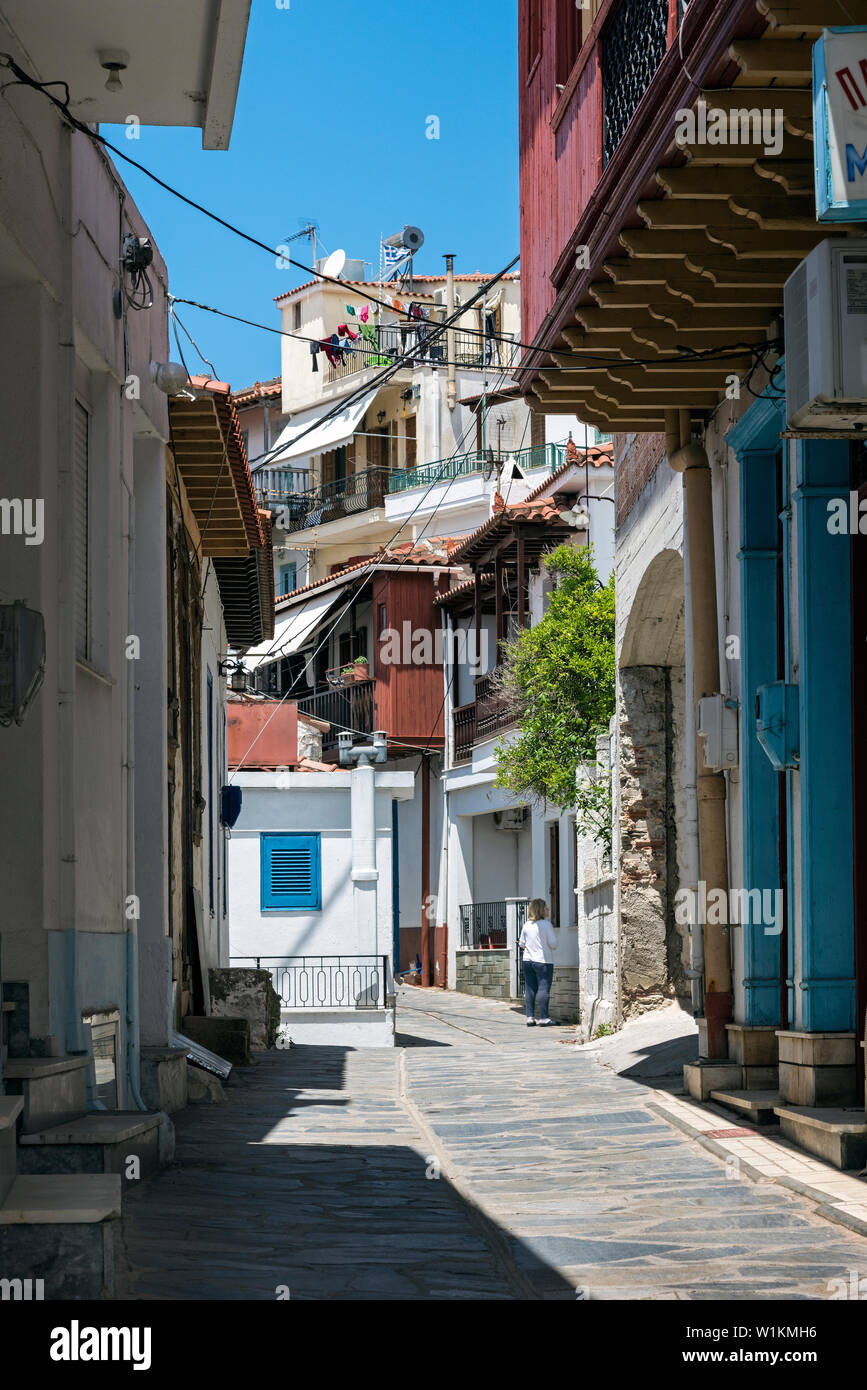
[538, 942]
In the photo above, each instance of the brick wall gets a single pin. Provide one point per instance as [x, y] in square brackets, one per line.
[636, 457]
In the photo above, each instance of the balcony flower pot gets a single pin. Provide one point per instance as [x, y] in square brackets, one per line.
[357, 671]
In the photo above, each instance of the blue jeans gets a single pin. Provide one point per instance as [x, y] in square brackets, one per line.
[537, 978]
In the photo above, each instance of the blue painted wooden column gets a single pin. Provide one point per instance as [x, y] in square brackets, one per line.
[756, 441]
[825, 949]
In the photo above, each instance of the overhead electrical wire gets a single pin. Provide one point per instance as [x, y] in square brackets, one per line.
[587, 361]
[365, 576]
[26, 79]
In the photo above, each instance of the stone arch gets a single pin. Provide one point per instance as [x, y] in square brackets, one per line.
[653, 806]
[655, 631]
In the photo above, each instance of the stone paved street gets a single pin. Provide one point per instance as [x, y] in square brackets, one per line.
[318, 1174]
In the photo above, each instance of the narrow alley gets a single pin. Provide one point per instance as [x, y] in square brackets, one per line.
[479, 1160]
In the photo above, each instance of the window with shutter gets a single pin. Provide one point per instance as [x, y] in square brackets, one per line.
[81, 528]
[291, 871]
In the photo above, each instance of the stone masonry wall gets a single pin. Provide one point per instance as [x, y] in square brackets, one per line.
[483, 972]
[650, 957]
[486, 973]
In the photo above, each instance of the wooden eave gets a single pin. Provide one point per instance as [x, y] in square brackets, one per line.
[202, 454]
[690, 247]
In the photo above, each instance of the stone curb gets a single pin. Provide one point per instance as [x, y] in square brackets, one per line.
[822, 1206]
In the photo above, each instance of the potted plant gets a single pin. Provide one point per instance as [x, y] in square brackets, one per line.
[358, 670]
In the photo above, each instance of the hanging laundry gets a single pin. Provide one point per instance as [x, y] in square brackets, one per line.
[364, 313]
[345, 331]
[398, 304]
[331, 348]
[351, 310]
[314, 356]
[368, 332]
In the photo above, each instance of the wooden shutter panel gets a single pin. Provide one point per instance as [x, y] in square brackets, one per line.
[291, 871]
[81, 530]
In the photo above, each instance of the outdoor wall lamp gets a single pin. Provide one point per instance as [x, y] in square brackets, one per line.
[170, 377]
[237, 674]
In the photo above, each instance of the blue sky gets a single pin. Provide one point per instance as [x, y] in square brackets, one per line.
[330, 126]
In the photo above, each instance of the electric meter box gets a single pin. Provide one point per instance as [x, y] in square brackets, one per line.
[718, 730]
[825, 303]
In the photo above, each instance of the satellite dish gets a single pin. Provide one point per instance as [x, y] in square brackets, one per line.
[413, 239]
[334, 265]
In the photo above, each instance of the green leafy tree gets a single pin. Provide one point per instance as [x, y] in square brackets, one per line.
[559, 676]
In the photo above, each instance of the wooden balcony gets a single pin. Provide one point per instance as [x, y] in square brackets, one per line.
[490, 713]
[347, 707]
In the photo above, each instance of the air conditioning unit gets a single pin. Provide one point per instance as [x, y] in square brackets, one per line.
[825, 303]
[515, 818]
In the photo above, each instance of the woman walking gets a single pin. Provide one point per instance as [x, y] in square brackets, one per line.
[538, 942]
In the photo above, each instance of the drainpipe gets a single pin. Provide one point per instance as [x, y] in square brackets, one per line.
[693, 872]
[690, 458]
[133, 1034]
[426, 967]
[452, 396]
[65, 642]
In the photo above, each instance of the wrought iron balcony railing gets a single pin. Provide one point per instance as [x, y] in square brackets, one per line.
[278, 488]
[472, 349]
[324, 982]
[343, 497]
[465, 465]
[633, 45]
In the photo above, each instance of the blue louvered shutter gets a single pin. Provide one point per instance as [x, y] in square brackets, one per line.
[291, 871]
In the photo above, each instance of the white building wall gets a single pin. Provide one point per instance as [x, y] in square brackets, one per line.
[66, 823]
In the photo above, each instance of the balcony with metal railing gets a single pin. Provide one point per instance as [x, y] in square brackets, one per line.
[332, 501]
[549, 456]
[388, 342]
[350, 706]
[278, 487]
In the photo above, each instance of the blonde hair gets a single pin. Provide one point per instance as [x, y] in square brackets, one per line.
[537, 908]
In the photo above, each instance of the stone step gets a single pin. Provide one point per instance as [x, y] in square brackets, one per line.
[838, 1136]
[10, 1109]
[102, 1141]
[60, 1229]
[757, 1106]
[54, 1089]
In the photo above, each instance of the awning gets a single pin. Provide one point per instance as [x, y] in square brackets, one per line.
[292, 629]
[298, 439]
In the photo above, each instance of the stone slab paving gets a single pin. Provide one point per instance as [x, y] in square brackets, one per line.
[480, 1160]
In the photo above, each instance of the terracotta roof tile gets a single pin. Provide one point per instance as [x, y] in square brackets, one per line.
[433, 552]
[389, 286]
[258, 391]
